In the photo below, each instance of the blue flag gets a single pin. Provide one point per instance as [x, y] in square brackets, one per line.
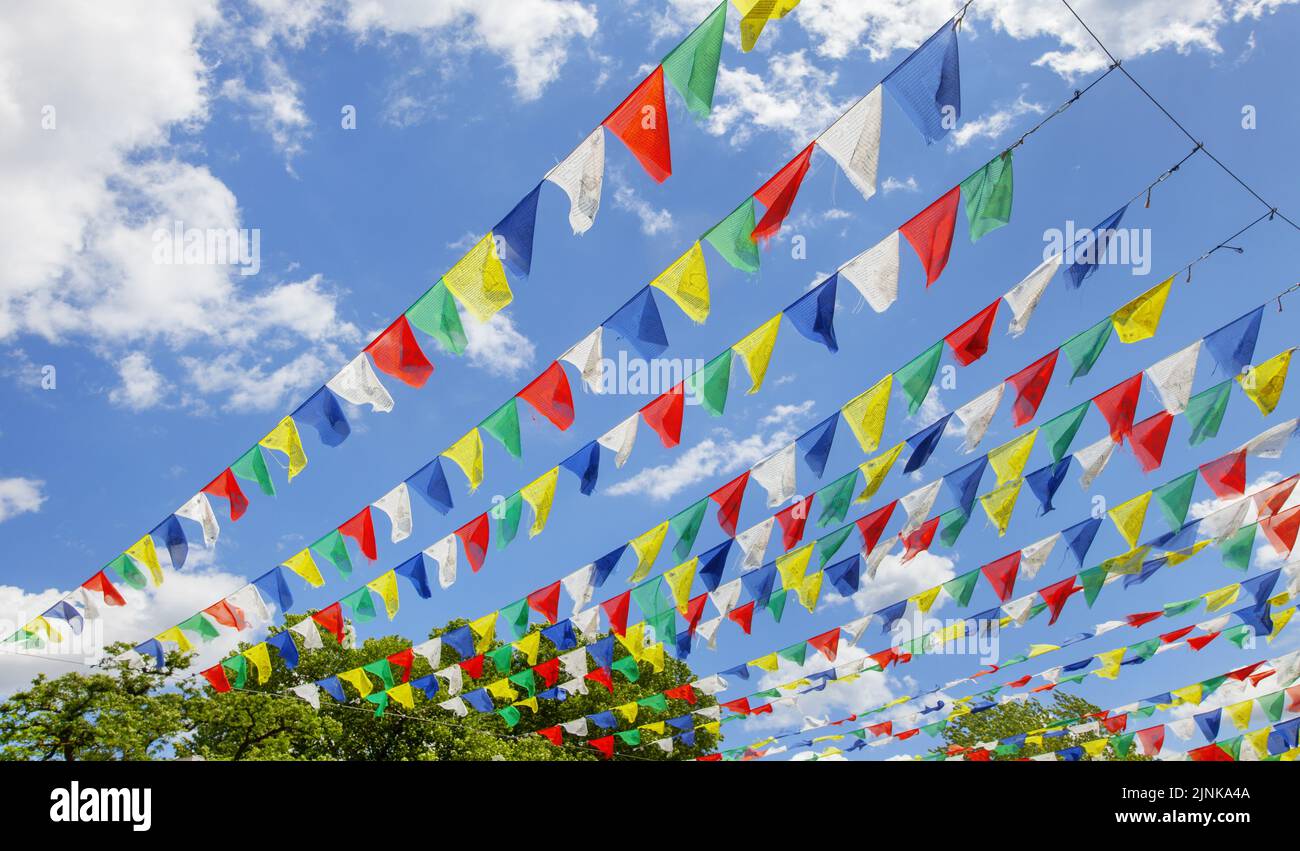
[759, 583]
[603, 652]
[413, 569]
[561, 635]
[1079, 537]
[153, 647]
[927, 85]
[430, 482]
[813, 315]
[172, 536]
[1046, 481]
[1260, 588]
[924, 442]
[892, 615]
[332, 687]
[282, 641]
[1233, 345]
[323, 412]
[1209, 723]
[1090, 249]
[461, 640]
[479, 700]
[65, 611]
[585, 464]
[639, 323]
[963, 483]
[815, 444]
[712, 563]
[514, 233]
[427, 684]
[843, 575]
[273, 586]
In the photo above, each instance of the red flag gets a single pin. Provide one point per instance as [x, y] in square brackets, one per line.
[397, 353]
[1118, 405]
[1116, 723]
[664, 415]
[1142, 618]
[1171, 637]
[641, 121]
[873, 524]
[883, 658]
[605, 745]
[1209, 753]
[728, 497]
[1056, 594]
[616, 609]
[884, 728]
[1293, 699]
[1149, 438]
[1201, 640]
[1020, 683]
[979, 755]
[216, 677]
[474, 537]
[1280, 529]
[554, 735]
[331, 618]
[919, 539]
[907, 734]
[546, 601]
[403, 660]
[792, 520]
[1244, 672]
[473, 666]
[227, 487]
[761, 709]
[1001, 574]
[778, 194]
[103, 585]
[827, 644]
[1271, 500]
[695, 611]
[550, 394]
[1152, 739]
[930, 233]
[970, 340]
[601, 675]
[1031, 383]
[1226, 476]
[549, 671]
[1257, 678]
[743, 616]
[361, 529]
[740, 705]
[709, 757]
[683, 692]
[226, 615]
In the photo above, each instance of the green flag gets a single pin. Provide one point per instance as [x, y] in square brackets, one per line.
[829, 545]
[515, 616]
[656, 702]
[664, 624]
[950, 525]
[126, 570]
[647, 596]
[628, 667]
[1205, 412]
[1092, 579]
[1272, 705]
[509, 714]
[961, 587]
[501, 658]
[692, 66]
[835, 499]
[361, 603]
[435, 314]
[239, 666]
[507, 513]
[776, 604]
[382, 669]
[731, 238]
[1174, 498]
[709, 386]
[200, 624]
[795, 653]
[686, 526]
[503, 424]
[334, 549]
[1122, 744]
[526, 680]
[1083, 349]
[251, 467]
[988, 196]
[1173, 610]
[1059, 431]
[1238, 546]
[916, 377]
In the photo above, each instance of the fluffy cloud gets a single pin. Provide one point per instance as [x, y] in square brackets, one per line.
[498, 346]
[791, 98]
[992, 125]
[20, 496]
[141, 387]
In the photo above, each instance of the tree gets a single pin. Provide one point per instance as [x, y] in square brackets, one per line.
[1009, 719]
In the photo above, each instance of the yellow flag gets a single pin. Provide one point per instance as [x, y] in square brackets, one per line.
[646, 546]
[1008, 460]
[302, 564]
[711, 727]
[486, 629]
[358, 679]
[403, 695]
[1129, 516]
[754, 15]
[539, 494]
[284, 438]
[1189, 694]
[831, 738]
[865, 414]
[793, 565]
[1139, 319]
[1258, 741]
[633, 640]
[1129, 562]
[953, 631]
[468, 455]
[1180, 556]
[628, 711]
[385, 585]
[654, 654]
[875, 470]
[1033, 740]
[1225, 596]
[478, 280]
[1263, 384]
[174, 634]
[924, 600]
[679, 581]
[1110, 661]
[502, 690]
[41, 625]
[767, 663]
[1000, 502]
[686, 282]
[1280, 620]
[1095, 747]
[656, 727]
[528, 647]
[810, 589]
[1240, 713]
[756, 350]
[260, 656]
[529, 702]
[1040, 649]
[144, 554]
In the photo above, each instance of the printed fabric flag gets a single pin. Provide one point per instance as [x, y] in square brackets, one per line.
[581, 175]
[692, 66]
[778, 194]
[755, 351]
[641, 121]
[930, 233]
[284, 438]
[732, 238]
[686, 282]
[927, 84]
[478, 281]
[853, 141]
[988, 196]
[435, 314]
[754, 15]
[1139, 319]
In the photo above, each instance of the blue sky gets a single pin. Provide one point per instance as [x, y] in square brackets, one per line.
[230, 116]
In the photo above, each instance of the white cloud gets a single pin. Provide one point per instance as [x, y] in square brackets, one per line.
[254, 384]
[142, 386]
[498, 346]
[653, 221]
[276, 109]
[533, 37]
[893, 184]
[992, 125]
[20, 496]
[785, 413]
[792, 98]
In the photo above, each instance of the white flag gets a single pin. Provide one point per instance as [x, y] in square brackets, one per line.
[620, 438]
[431, 650]
[358, 384]
[578, 586]
[574, 663]
[708, 632]
[200, 511]
[1093, 460]
[1034, 556]
[248, 599]
[976, 414]
[875, 273]
[455, 705]
[309, 633]
[1024, 297]
[918, 503]
[587, 622]
[309, 693]
[452, 675]
[587, 356]
[1269, 444]
[580, 175]
[1173, 377]
[576, 727]
[753, 543]
[397, 505]
[726, 596]
[710, 685]
[776, 475]
[853, 141]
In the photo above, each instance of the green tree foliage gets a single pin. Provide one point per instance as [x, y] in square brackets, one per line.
[1010, 719]
[132, 714]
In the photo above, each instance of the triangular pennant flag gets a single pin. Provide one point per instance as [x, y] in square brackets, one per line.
[227, 488]
[977, 414]
[970, 340]
[813, 314]
[467, 452]
[865, 414]
[875, 470]
[1001, 574]
[1093, 458]
[1174, 498]
[474, 537]
[361, 528]
[927, 84]
[550, 396]
[1205, 412]
[251, 467]
[776, 475]
[664, 415]
[754, 17]
[385, 585]
[916, 377]
[396, 504]
[1263, 384]
[1118, 405]
[755, 351]
[999, 504]
[641, 121]
[1139, 319]
[1023, 298]
[1226, 476]
[853, 141]
[728, 498]
[779, 192]
[1008, 460]
[1149, 438]
[930, 232]
[1083, 349]
[874, 273]
[708, 386]
[587, 356]
[692, 66]
[686, 282]
[1129, 516]
[396, 353]
[1233, 345]
[732, 238]
[924, 443]
[1030, 384]
[539, 494]
[1172, 377]
[620, 439]
[1091, 248]
[647, 546]
[988, 195]
[581, 176]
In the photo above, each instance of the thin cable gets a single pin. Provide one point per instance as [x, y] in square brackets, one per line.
[1272, 210]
